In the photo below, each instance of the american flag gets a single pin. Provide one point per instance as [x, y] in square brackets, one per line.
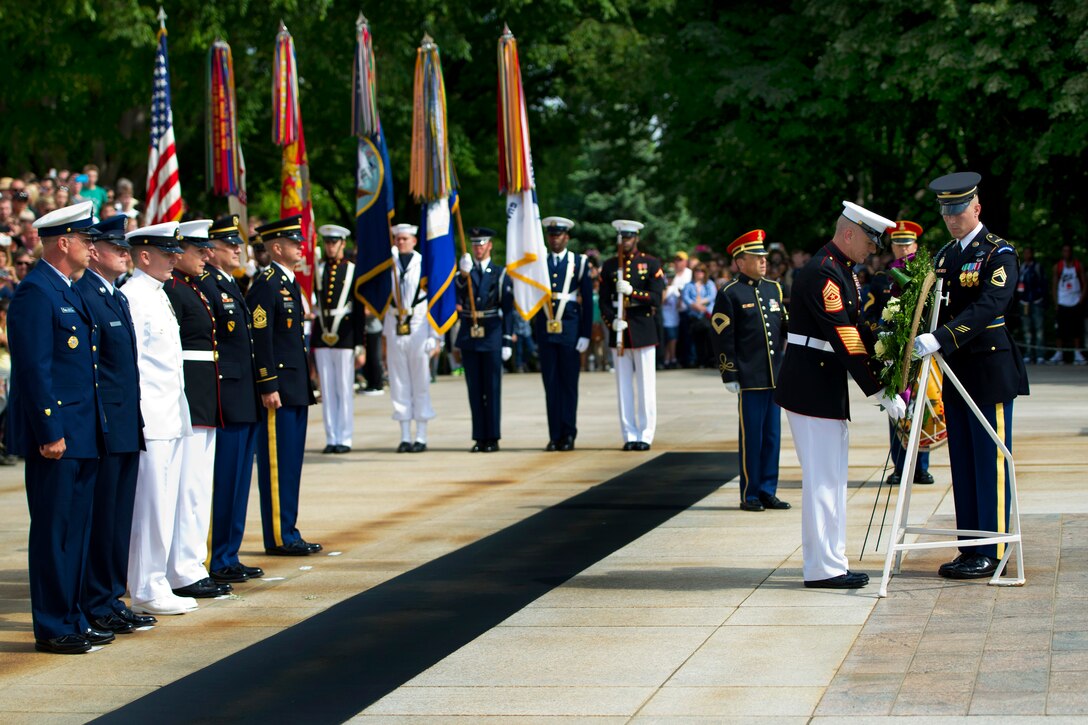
[163, 187]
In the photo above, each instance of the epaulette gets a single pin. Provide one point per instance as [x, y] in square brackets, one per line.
[205, 275]
[1000, 245]
[270, 272]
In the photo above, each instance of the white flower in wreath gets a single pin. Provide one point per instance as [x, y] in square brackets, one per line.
[880, 347]
[890, 310]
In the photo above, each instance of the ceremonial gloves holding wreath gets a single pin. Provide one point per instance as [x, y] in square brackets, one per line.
[890, 401]
[924, 345]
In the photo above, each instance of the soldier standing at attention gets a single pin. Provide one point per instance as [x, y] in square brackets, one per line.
[629, 297]
[749, 324]
[827, 340]
[338, 330]
[563, 337]
[486, 340]
[980, 271]
[283, 379]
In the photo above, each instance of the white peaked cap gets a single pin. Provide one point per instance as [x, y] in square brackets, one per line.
[871, 221]
[626, 225]
[197, 229]
[333, 231]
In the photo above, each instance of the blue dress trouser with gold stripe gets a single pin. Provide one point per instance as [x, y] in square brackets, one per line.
[760, 443]
[980, 472]
[235, 445]
[280, 444]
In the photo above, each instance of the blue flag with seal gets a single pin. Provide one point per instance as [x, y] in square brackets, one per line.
[373, 184]
[439, 261]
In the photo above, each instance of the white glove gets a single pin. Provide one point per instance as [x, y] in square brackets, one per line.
[430, 344]
[619, 325]
[624, 287]
[465, 265]
[892, 404]
[733, 387]
[506, 353]
[582, 345]
[925, 344]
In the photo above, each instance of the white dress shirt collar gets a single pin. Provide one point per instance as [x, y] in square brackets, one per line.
[290, 275]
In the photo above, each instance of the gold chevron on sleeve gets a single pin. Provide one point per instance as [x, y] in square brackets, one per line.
[851, 340]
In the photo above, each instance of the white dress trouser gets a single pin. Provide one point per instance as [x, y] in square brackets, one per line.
[637, 369]
[153, 514]
[194, 515]
[409, 377]
[823, 446]
[336, 369]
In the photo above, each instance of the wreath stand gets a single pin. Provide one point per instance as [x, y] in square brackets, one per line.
[900, 529]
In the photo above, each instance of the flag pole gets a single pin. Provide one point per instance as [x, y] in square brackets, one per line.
[468, 277]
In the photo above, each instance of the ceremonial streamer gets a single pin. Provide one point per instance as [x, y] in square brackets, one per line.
[285, 110]
[364, 106]
[430, 178]
[515, 161]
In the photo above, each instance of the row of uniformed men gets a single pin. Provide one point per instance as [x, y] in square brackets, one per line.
[120, 398]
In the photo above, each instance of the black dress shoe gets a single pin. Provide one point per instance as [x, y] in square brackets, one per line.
[477, 447]
[112, 623]
[342, 449]
[923, 477]
[295, 548]
[329, 449]
[67, 644]
[773, 502]
[751, 506]
[419, 447]
[98, 636]
[404, 447]
[551, 446]
[849, 580]
[642, 446]
[137, 620]
[253, 572]
[228, 574]
[490, 447]
[969, 566]
[893, 478]
[567, 444]
[314, 548]
[203, 589]
[629, 446]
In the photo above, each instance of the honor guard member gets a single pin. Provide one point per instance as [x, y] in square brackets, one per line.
[339, 329]
[485, 338]
[980, 272]
[283, 379]
[563, 336]
[827, 340]
[106, 579]
[881, 289]
[196, 322]
[631, 290]
[749, 322]
[56, 419]
[153, 553]
[240, 406]
[409, 342]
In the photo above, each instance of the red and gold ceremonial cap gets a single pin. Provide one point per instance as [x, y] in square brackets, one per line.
[906, 232]
[749, 243]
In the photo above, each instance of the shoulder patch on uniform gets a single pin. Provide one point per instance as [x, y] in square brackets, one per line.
[719, 322]
[999, 277]
[995, 240]
[260, 318]
[832, 297]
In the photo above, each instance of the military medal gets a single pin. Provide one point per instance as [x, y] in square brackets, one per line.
[330, 338]
[555, 327]
[73, 342]
[476, 331]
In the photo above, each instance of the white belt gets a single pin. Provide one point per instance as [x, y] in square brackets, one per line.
[565, 296]
[200, 355]
[810, 342]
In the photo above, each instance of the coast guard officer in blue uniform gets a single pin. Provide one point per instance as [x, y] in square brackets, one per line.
[283, 379]
[57, 421]
[240, 404]
[980, 271]
[119, 388]
[749, 322]
[562, 337]
[486, 340]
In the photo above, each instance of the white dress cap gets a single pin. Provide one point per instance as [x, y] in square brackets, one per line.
[66, 219]
[333, 231]
[405, 229]
[557, 221]
[626, 225]
[870, 221]
[197, 229]
[166, 230]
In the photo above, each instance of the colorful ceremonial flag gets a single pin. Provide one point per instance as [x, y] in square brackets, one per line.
[526, 255]
[433, 185]
[163, 187]
[374, 183]
[287, 132]
[226, 168]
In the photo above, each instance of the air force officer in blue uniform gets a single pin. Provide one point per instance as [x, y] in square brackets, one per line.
[563, 336]
[487, 339]
[57, 420]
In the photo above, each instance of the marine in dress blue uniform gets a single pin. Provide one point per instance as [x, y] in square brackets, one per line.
[57, 421]
[563, 336]
[749, 323]
[283, 380]
[236, 440]
[119, 388]
[980, 272]
[486, 339]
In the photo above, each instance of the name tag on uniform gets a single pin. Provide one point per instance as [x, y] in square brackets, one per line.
[67, 309]
[115, 323]
[747, 305]
[555, 327]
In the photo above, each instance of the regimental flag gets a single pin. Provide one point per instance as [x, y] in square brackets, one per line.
[287, 132]
[433, 185]
[526, 255]
[226, 168]
[163, 187]
[374, 183]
